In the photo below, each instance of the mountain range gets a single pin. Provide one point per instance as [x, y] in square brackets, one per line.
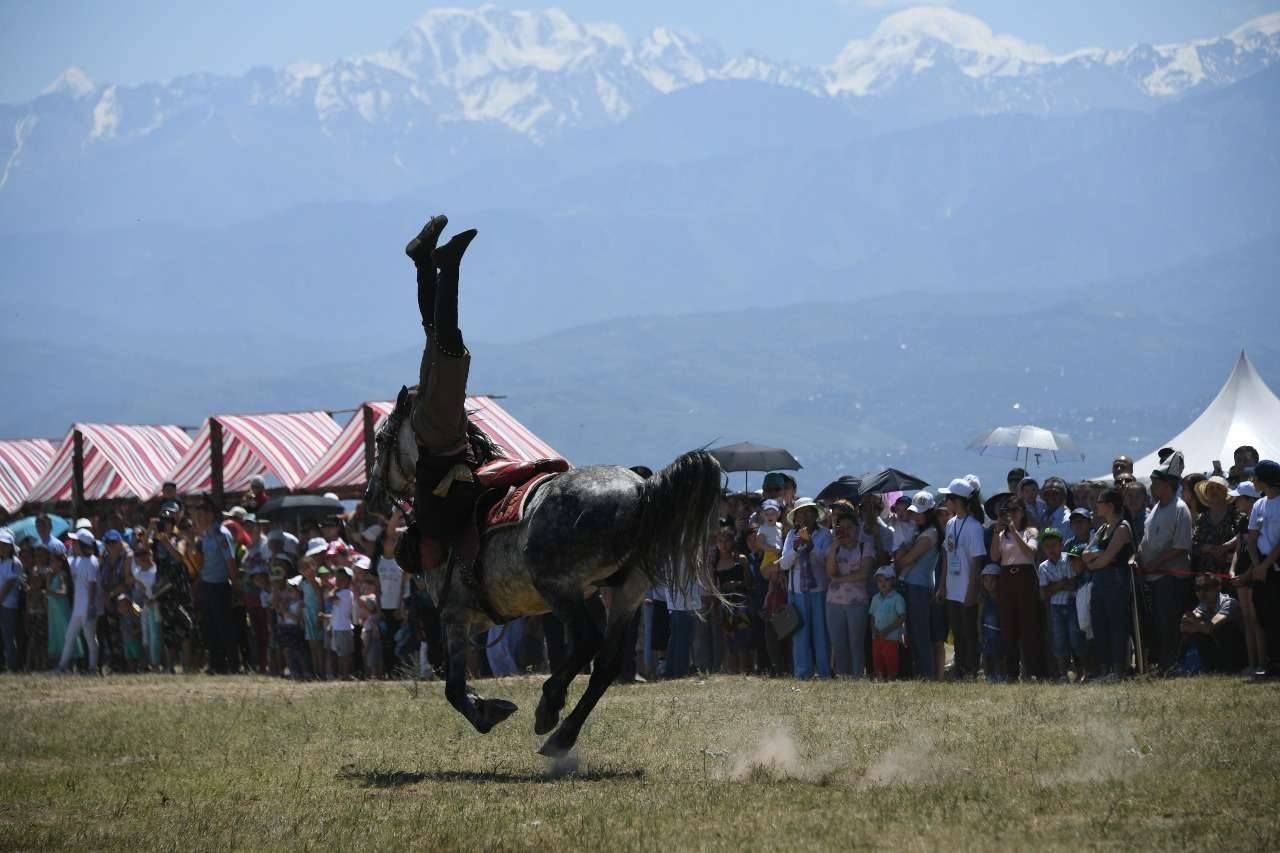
[944, 229]
[465, 87]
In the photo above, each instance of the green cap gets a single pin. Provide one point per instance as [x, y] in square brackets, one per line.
[1077, 551]
[1051, 533]
[323, 570]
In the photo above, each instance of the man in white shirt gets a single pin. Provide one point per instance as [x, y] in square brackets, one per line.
[1264, 542]
[966, 552]
[84, 577]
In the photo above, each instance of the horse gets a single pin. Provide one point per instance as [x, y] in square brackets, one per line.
[584, 529]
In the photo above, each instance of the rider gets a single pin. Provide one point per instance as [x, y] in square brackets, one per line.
[450, 447]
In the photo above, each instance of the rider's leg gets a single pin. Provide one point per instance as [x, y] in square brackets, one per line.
[419, 251]
[439, 413]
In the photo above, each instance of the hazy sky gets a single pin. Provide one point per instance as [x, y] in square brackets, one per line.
[143, 40]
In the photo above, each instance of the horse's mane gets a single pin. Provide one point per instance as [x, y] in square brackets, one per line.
[483, 448]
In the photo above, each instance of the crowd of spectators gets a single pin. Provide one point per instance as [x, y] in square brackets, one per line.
[1038, 581]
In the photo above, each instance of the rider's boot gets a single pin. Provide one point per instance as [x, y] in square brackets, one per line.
[419, 251]
[447, 258]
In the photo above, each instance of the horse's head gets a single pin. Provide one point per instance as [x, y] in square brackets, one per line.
[396, 457]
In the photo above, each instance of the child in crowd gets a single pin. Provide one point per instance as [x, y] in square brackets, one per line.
[144, 579]
[888, 614]
[989, 617]
[280, 569]
[371, 634]
[1058, 586]
[342, 628]
[130, 620]
[769, 536]
[260, 583]
[289, 635]
[312, 630]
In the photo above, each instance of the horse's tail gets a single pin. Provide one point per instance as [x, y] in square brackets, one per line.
[675, 530]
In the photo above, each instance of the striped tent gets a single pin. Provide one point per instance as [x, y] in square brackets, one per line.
[284, 445]
[119, 462]
[21, 464]
[342, 466]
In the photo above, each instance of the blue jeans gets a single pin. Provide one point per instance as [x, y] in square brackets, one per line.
[9, 633]
[809, 645]
[681, 643]
[1109, 609]
[919, 628]
[151, 635]
[1068, 639]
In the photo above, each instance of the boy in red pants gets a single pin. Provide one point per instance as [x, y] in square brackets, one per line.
[888, 615]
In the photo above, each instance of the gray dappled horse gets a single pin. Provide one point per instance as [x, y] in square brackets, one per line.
[584, 529]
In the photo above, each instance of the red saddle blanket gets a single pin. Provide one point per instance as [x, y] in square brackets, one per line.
[521, 480]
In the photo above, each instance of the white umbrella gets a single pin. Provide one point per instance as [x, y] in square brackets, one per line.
[1010, 442]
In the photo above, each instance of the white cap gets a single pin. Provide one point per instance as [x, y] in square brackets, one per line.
[922, 503]
[361, 562]
[296, 580]
[972, 480]
[6, 536]
[84, 524]
[1245, 490]
[991, 569]
[85, 537]
[961, 488]
[317, 545]
[237, 512]
[331, 496]
[886, 572]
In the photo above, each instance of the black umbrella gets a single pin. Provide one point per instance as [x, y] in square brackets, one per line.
[890, 480]
[299, 507]
[847, 488]
[747, 457]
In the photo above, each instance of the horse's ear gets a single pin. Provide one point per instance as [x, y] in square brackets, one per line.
[403, 397]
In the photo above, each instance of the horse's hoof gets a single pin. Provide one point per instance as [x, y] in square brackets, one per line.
[544, 720]
[555, 748]
[490, 712]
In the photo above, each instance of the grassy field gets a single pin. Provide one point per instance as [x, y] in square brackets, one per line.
[727, 763]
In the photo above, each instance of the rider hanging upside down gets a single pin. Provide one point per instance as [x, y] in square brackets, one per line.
[450, 447]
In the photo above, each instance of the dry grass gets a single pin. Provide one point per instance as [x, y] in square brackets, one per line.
[181, 763]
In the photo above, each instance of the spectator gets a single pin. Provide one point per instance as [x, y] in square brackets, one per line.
[1136, 504]
[1249, 590]
[682, 608]
[1211, 637]
[371, 635]
[1017, 591]
[11, 580]
[218, 576]
[289, 629]
[1213, 542]
[144, 580]
[804, 555]
[1058, 586]
[115, 577]
[1056, 515]
[393, 585]
[993, 649]
[1081, 527]
[172, 591]
[732, 578]
[58, 592]
[1245, 458]
[888, 615]
[130, 628]
[341, 622]
[851, 560]
[1164, 556]
[1107, 560]
[904, 529]
[313, 591]
[37, 624]
[84, 578]
[1037, 510]
[257, 494]
[966, 551]
[1014, 479]
[1121, 466]
[1264, 538]
[917, 565]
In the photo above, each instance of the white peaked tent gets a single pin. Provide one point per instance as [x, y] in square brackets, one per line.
[1245, 411]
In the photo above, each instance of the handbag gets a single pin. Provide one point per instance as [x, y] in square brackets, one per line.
[786, 621]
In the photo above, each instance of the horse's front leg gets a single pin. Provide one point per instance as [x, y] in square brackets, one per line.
[483, 714]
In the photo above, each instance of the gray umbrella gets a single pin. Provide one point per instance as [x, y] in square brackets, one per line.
[747, 457]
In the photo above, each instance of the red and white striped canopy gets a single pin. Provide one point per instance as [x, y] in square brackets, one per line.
[119, 462]
[286, 445]
[343, 464]
[21, 464]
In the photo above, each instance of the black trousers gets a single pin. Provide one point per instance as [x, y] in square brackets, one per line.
[220, 637]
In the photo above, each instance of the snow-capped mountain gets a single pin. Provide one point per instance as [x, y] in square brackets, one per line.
[468, 86]
[961, 66]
